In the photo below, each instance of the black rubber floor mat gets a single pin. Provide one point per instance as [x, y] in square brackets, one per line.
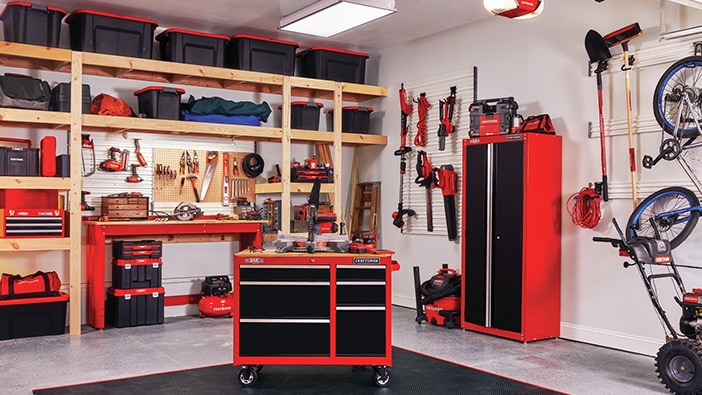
[412, 373]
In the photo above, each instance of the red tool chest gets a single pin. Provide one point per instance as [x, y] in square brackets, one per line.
[312, 309]
[511, 238]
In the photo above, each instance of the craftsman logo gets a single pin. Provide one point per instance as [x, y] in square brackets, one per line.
[488, 121]
[253, 260]
[27, 281]
[514, 137]
[16, 159]
[663, 259]
[365, 261]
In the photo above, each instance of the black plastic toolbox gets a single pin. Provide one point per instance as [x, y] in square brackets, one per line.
[186, 46]
[159, 102]
[61, 98]
[333, 64]
[19, 161]
[247, 52]
[135, 306]
[112, 34]
[29, 317]
[136, 273]
[125, 249]
[304, 115]
[29, 23]
[355, 119]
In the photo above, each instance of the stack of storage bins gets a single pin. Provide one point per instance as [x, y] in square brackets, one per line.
[136, 295]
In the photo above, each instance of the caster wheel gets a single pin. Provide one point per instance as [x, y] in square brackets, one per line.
[258, 368]
[248, 377]
[382, 377]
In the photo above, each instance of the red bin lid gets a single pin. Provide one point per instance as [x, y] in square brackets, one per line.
[135, 291]
[303, 103]
[158, 88]
[110, 15]
[164, 33]
[249, 36]
[321, 48]
[355, 108]
[28, 4]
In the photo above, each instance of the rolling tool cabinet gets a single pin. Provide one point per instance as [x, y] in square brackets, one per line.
[312, 309]
[512, 235]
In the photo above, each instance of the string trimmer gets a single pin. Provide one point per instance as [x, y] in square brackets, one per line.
[406, 110]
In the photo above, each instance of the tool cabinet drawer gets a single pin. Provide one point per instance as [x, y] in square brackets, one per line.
[284, 273]
[360, 273]
[360, 332]
[360, 294]
[292, 338]
[278, 300]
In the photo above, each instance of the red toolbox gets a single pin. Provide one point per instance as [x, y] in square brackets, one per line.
[186, 46]
[135, 306]
[136, 273]
[28, 317]
[29, 198]
[333, 64]
[103, 32]
[31, 223]
[312, 309]
[159, 102]
[124, 249]
[247, 52]
[29, 23]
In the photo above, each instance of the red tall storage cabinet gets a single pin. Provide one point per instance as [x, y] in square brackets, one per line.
[511, 239]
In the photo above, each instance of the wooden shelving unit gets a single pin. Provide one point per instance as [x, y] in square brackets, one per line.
[79, 64]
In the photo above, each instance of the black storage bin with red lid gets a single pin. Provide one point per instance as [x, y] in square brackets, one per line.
[29, 317]
[137, 273]
[112, 34]
[29, 23]
[355, 119]
[267, 55]
[333, 64]
[134, 306]
[159, 102]
[186, 46]
[304, 115]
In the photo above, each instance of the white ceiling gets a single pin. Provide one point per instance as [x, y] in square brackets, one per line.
[414, 18]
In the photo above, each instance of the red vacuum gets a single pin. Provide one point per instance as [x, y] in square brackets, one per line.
[439, 298]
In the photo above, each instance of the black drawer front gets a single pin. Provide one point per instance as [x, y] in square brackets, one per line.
[360, 333]
[262, 273]
[360, 274]
[360, 295]
[284, 301]
[284, 339]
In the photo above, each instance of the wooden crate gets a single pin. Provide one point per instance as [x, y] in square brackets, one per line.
[125, 207]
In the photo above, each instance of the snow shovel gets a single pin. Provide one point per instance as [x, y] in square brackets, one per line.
[598, 52]
[623, 36]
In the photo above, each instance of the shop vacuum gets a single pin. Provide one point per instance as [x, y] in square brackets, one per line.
[439, 298]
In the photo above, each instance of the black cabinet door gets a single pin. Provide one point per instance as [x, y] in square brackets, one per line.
[493, 234]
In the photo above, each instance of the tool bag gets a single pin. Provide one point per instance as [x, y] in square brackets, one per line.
[216, 285]
[24, 92]
[34, 285]
[492, 116]
[537, 124]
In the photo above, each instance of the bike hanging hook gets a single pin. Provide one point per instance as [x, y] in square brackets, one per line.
[698, 48]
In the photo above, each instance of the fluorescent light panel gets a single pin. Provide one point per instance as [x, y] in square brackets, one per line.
[690, 3]
[329, 17]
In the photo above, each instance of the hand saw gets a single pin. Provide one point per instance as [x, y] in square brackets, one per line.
[212, 157]
[225, 179]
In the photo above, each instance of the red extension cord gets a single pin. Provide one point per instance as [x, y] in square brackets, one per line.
[584, 208]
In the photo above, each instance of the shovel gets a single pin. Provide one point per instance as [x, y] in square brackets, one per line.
[598, 52]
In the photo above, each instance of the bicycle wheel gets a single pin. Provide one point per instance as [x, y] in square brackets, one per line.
[668, 210]
[682, 80]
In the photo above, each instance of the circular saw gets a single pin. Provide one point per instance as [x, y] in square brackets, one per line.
[186, 212]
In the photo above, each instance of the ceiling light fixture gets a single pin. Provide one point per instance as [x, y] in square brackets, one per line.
[326, 18]
[690, 3]
[515, 9]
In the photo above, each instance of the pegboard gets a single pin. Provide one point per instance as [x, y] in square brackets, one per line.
[167, 187]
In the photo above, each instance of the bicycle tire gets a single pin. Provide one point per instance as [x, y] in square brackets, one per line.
[683, 76]
[676, 228]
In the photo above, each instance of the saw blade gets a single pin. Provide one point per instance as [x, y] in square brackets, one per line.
[212, 157]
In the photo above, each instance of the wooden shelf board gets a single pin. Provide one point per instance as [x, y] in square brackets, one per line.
[34, 56]
[39, 244]
[165, 126]
[363, 139]
[58, 183]
[295, 187]
[15, 117]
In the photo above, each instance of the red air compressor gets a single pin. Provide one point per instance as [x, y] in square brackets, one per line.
[439, 298]
[217, 299]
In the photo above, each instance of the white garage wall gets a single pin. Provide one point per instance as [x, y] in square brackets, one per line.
[543, 63]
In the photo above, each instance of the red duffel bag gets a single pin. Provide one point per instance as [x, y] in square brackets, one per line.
[33, 285]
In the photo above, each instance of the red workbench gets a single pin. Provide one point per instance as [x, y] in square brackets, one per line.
[247, 232]
[312, 309]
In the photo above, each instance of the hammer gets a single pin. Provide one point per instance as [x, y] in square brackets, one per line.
[192, 179]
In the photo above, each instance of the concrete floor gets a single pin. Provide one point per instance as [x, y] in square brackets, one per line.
[190, 342]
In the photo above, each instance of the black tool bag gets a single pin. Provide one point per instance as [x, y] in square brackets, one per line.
[24, 92]
[492, 117]
[216, 285]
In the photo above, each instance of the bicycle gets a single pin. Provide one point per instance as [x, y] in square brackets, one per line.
[673, 212]
[679, 361]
